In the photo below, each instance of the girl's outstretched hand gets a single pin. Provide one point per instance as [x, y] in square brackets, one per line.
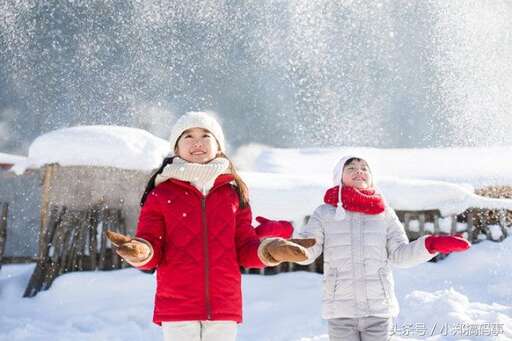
[281, 250]
[446, 244]
[132, 250]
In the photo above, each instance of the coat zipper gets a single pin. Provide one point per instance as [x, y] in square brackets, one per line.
[206, 260]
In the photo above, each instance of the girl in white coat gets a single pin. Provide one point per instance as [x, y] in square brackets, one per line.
[361, 237]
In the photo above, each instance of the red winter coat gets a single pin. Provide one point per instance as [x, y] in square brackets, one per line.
[199, 244]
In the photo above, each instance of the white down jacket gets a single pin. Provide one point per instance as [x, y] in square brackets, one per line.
[358, 251]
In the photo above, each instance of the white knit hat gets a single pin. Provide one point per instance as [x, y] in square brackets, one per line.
[197, 120]
[337, 177]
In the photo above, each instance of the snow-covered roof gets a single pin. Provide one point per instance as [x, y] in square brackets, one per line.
[101, 145]
[12, 162]
[11, 158]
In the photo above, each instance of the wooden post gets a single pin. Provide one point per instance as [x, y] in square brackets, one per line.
[72, 245]
[453, 229]
[48, 172]
[4, 211]
[407, 220]
[93, 241]
[502, 219]
[108, 257]
[469, 221]
[437, 229]
[80, 244]
[102, 239]
[421, 217]
[44, 263]
[68, 231]
[57, 258]
[115, 217]
[124, 230]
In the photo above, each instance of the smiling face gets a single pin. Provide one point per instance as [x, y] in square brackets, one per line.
[356, 173]
[197, 145]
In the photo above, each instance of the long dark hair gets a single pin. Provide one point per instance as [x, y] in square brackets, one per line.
[151, 183]
[240, 187]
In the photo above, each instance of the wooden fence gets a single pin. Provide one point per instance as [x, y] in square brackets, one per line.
[74, 240]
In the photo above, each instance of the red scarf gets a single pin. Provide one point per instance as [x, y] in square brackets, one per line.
[355, 199]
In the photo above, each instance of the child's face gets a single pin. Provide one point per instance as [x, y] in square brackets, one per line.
[357, 174]
[197, 145]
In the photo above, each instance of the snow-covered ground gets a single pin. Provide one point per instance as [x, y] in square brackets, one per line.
[466, 292]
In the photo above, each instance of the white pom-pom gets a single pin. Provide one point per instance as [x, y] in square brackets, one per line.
[340, 213]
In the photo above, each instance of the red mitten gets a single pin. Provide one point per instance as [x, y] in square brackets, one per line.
[273, 228]
[446, 244]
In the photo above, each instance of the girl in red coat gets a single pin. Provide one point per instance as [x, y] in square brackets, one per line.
[195, 229]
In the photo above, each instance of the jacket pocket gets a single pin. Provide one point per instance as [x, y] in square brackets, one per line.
[329, 283]
[384, 282]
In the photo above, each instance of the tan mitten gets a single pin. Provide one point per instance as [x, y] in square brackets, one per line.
[282, 250]
[133, 250]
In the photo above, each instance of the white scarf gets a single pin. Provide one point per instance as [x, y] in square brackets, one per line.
[200, 175]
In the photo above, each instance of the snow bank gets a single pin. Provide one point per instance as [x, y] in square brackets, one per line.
[122, 147]
[449, 198]
[293, 197]
[477, 166]
[469, 288]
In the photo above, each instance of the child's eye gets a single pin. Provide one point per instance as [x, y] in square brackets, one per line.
[207, 135]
